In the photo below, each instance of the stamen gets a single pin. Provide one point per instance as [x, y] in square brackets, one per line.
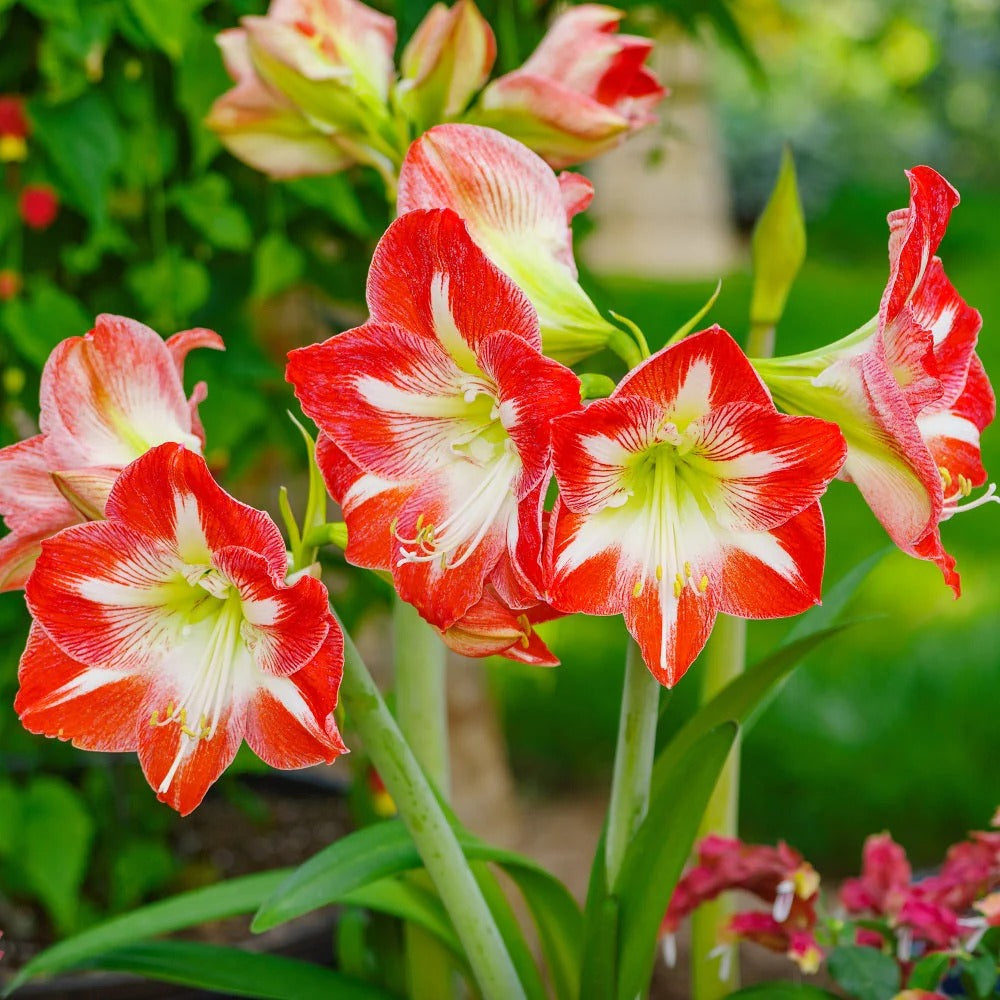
[659, 571]
[637, 589]
[990, 496]
[783, 900]
[678, 585]
[945, 476]
[670, 950]
[703, 583]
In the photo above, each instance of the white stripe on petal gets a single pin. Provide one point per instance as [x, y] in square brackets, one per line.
[948, 425]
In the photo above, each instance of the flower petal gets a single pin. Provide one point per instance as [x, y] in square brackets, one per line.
[701, 372]
[97, 708]
[20, 549]
[427, 276]
[109, 396]
[26, 487]
[289, 720]
[776, 573]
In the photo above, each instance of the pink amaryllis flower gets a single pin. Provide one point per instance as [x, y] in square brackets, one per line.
[518, 212]
[106, 398]
[685, 493]
[583, 90]
[435, 419]
[907, 389]
[170, 629]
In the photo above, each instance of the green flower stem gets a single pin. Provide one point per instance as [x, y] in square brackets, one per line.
[421, 699]
[429, 827]
[723, 660]
[419, 658]
[633, 759]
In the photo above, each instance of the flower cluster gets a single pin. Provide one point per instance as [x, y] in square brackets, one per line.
[943, 912]
[164, 620]
[316, 88]
[778, 876]
[443, 422]
[907, 388]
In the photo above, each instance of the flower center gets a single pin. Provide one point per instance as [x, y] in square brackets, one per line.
[961, 487]
[480, 444]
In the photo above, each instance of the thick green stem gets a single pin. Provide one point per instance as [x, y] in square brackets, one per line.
[432, 834]
[421, 697]
[419, 658]
[723, 660]
[633, 759]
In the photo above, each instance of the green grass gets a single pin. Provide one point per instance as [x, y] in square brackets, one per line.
[893, 725]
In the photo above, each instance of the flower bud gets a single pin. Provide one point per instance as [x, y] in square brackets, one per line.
[13, 130]
[583, 90]
[38, 206]
[446, 61]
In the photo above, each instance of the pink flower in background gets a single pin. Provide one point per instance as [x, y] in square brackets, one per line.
[169, 629]
[582, 92]
[436, 418]
[14, 129]
[106, 398]
[685, 494]
[885, 878]
[907, 389]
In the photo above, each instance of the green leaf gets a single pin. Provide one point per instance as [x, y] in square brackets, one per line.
[234, 971]
[169, 289]
[139, 868]
[335, 196]
[778, 247]
[227, 899]
[83, 142]
[39, 320]
[659, 849]
[201, 78]
[206, 205]
[277, 264]
[929, 971]
[10, 818]
[866, 973]
[510, 931]
[782, 991]
[410, 902]
[55, 836]
[979, 974]
[167, 25]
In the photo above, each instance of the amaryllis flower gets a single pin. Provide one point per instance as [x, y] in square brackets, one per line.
[907, 389]
[38, 206]
[518, 212]
[583, 90]
[264, 129]
[106, 398]
[685, 493]
[331, 61]
[436, 421]
[445, 63]
[14, 129]
[169, 629]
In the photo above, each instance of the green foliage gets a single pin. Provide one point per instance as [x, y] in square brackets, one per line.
[865, 973]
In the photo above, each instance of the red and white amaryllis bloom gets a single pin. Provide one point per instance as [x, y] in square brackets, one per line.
[435, 419]
[581, 92]
[907, 389]
[106, 398]
[518, 212]
[169, 628]
[685, 493]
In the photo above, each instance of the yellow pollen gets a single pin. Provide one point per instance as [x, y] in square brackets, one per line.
[637, 589]
[703, 584]
[687, 569]
[965, 485]
[170, 708]
[155, 717]
[678, 585]
[659, 572]
[444, 561]
[420, 521]
[183, 717]
[945, 475]
[188, 732]
[393, 525]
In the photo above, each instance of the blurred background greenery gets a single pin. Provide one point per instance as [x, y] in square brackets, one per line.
[892, 725]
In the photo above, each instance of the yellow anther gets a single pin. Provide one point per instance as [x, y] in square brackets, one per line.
[945, 475]
[659, 572]
[965, 485]
[522, 620]
[637, 589]
[687, 569]
[678, 585]
[170, 708]
[188, 732]
[393, 525]
[420, 521]
[155, 717]
[184, 717]
[703, 584]
[444, 561]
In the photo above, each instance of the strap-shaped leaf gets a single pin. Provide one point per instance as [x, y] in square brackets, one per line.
[227, 899]
[782, 991]
[235, 972]
[656, 855]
